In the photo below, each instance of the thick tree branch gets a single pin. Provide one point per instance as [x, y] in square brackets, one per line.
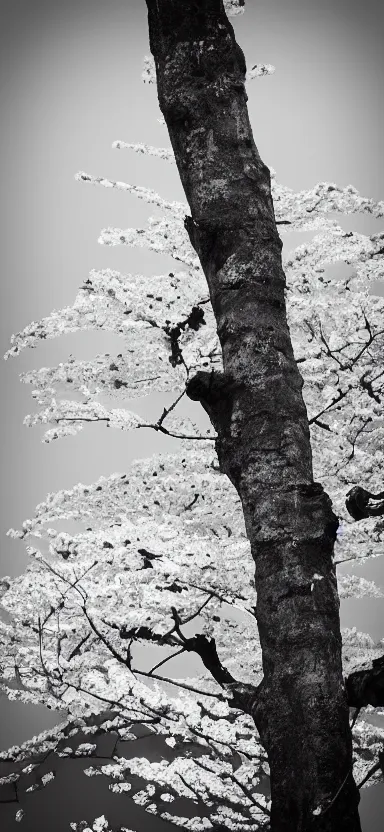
[366, 687]
[243, 695]
[362, 504]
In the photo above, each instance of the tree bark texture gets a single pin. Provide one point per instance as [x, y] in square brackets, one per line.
[257, 409]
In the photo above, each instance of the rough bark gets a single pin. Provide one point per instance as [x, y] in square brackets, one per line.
[257, 409]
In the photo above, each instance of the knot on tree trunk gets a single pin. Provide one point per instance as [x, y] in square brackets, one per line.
[362, 504]
[366, 687]
[215, 391]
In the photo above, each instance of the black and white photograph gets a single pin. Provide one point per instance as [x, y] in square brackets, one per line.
[192, 397]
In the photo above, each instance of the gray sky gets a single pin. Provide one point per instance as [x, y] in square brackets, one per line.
[70, 85]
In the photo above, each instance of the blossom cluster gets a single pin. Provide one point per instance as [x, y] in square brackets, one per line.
[160, 552]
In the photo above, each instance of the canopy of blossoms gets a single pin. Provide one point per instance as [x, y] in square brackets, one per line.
[161, 551]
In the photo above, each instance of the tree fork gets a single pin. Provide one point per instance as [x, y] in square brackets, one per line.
[256, 406]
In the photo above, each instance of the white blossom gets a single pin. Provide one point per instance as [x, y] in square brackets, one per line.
[146, 150]
[149, 72]
[234, 7]
[85, 749]
[46, 778]
[258, 70]
[149, 196]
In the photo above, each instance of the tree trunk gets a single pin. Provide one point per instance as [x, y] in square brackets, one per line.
[257, 409]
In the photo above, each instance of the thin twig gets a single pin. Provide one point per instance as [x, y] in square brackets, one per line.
[46, 674]
[179, 684]
[191, 789]
[330, 804]
[249, 794]
[193, 615]
[77, 649]
[116, 703]
[102, 638]
[356, 714]
[341, 395]
[168, 410]
[167, 432]
[156, 426]
[167, 659]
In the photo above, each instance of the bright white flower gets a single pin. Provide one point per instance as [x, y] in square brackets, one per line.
[258, 70]
[234, 7]
[46, 778]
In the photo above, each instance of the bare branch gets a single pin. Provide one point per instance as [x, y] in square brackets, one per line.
[340, 395]
[77, 649]
[249, 794]
[102, 638]
[327, 808]
[167, 659]
[179, 684]
[366, 687]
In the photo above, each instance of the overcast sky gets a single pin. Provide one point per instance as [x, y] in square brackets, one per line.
[70, 85]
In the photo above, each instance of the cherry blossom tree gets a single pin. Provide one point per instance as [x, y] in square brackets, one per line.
[288, 366]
